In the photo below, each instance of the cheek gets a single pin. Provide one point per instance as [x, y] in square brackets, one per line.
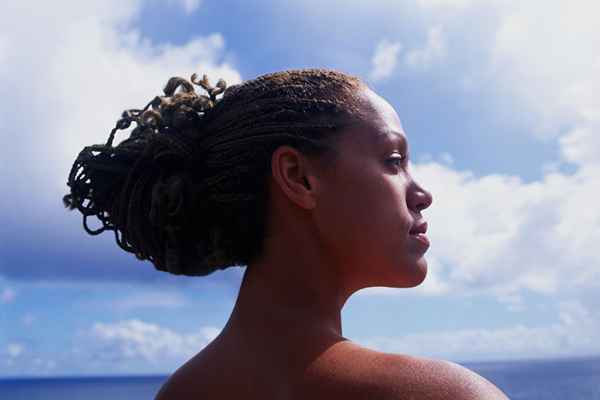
[344, 213]
[386, 201]
[368, 216]
[387, 223]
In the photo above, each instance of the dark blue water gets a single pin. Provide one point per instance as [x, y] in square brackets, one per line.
[574, 379]
[520, 380]
[92, 388]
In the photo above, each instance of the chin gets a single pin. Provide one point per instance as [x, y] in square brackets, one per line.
[403, 276]
[420, 279]
[417, 274]
[404, 281]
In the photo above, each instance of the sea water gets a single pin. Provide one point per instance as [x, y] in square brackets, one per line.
[572, 379]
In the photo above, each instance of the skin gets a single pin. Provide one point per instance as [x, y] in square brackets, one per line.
[332, 231]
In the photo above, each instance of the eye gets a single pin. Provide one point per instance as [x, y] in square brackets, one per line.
[398, 160]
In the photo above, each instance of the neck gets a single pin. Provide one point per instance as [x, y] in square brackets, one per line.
[291, 297]
[281, 301]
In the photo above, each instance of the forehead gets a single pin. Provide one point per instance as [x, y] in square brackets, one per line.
[383, 119]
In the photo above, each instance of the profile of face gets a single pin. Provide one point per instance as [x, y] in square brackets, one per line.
[369, 203]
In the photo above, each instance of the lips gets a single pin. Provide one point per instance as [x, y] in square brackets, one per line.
[421, 238]
[419, 227]
[418, 232]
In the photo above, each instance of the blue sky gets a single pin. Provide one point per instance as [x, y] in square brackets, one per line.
[501, 110]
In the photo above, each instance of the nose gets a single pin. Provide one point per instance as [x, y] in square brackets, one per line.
[419, 198]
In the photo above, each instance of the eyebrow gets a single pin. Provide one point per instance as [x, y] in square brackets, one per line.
[393, 136]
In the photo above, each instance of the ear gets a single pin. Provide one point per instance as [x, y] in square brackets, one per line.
[294, 174]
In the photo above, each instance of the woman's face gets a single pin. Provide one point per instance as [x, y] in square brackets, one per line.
[369, 203]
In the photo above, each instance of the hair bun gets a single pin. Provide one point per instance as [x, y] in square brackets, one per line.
[188, 189]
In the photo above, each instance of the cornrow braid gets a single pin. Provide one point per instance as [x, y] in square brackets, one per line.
[187, 190]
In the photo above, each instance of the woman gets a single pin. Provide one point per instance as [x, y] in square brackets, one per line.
[302, 176]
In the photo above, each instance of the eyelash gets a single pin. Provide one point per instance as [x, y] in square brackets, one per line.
[400, 160]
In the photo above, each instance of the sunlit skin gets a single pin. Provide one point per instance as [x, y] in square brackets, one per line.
[332, 231]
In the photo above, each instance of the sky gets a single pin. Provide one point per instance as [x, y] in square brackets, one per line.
[500, 101]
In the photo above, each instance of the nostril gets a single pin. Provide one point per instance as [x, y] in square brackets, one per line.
[421, 198]
[423, 201]
[428, 199]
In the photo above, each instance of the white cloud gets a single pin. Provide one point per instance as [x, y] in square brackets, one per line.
[580, 145]
[444, 3]
[495, 234]
[134, 339]
[500, 234]
[513, 301]
[535, 63]
[574, 335]
[433, 51]
[542, 74]
[7, 295]
[150, 299]
[386, 54]
[189, 6]
[42, 365]
[3, 48]
[14, 350]
[447, 158]
[384, 60]
[17, 360]
[551, 66]
[75, 66]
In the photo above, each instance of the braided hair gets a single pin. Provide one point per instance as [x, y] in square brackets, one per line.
[187, 190]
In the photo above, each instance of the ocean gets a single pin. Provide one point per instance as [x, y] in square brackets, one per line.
[571, 379]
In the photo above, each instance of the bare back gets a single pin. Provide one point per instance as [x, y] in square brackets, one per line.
[343, 371]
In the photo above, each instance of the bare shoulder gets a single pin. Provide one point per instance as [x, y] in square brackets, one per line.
[183, 383]
[356, 372]
[166, 391]
[469, 383]
[438, 379]
[174, 387]
[346, 370]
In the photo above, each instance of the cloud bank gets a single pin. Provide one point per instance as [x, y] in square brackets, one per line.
[574, 335]
[495, 232]
[69, 77]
